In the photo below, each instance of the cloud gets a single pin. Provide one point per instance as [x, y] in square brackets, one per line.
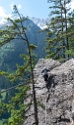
[72, 5]
[11, 6]
[19, 6]
[3, 15]
[2, 12]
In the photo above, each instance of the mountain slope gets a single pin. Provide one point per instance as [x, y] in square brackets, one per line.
[9, 53]
[40, 22]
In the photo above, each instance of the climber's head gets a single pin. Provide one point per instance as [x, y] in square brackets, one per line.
[44, 73]
[44, 70]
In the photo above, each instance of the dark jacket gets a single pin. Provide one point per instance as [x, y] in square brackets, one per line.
[44, 73]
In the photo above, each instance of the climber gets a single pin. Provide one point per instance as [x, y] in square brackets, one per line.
[49, 79]
[44, 73]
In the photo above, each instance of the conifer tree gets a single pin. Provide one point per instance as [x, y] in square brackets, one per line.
[71, 34]
[58, 39]
[16, 30]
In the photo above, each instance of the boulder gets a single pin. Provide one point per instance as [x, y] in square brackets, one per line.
[56, 105]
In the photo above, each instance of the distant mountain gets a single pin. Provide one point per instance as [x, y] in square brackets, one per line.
[40, 22]
[9, 53]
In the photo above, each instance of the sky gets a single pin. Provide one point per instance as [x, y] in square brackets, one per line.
[30, 8]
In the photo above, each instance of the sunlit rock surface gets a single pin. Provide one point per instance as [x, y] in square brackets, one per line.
[56, 106]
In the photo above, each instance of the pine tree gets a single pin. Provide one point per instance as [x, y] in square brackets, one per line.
[71, 34]
[16, 30]
[58, 41]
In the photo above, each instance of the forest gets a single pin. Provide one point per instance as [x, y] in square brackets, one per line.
[17, 83]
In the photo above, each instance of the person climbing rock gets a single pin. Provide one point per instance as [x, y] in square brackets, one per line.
[49, 79]
[44, 73]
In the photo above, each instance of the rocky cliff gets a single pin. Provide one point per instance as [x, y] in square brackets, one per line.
[56, 106]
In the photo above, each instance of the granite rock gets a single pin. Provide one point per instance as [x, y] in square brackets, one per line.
[56, 106]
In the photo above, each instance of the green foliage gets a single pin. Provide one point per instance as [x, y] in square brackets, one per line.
[60, 33]
[3, 73]
[16, 108]
[32, 46]
[11, 51]
[71, 33]
[2, 95]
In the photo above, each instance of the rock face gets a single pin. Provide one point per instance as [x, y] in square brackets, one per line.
[56, 106]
